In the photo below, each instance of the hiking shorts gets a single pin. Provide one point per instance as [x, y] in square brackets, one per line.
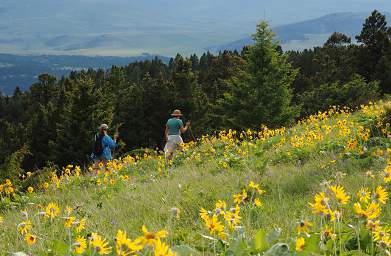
[173, 142]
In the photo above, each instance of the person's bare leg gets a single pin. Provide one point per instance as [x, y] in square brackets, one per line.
[96, 167]
[105, 164]
[169, 155]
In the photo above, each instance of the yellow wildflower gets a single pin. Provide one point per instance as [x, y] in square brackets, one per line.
[340, 194]
[52, 210]
[300, 243]
[24, 227]
[258, 202]
[162, 249]
[304, 226]
[232, 218]
[220, 207]
[69, 220]
[80, 245]
[30, 239]
[124, 246]
[45, 185]
[381, 195]
[328, 233]
[364, 195]
[239, 198]
[215, 227]
[80, 225]
[372, 225]
[151, 237]
[380, 233]
[204, 214]
[387, 174]
[99, 244]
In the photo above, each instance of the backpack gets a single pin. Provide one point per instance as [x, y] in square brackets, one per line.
[98, 145]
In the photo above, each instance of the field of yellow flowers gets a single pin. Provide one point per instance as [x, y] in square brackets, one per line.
[320, 187]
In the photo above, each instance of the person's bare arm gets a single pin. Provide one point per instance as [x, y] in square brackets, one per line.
[166, 133]
[184, 129]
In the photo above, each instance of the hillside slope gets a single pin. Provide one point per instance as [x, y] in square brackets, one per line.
[266, 178]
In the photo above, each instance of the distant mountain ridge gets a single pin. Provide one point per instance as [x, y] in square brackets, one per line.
[23, 70]
[165, 27]
[309, 33]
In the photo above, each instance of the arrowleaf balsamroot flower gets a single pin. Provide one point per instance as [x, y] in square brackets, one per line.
[239, 198]
[204, 214]
[258, 202]
[80, 245]
[372, 211]
[304, 226]
[69, 221]
[381, 233]
[256, 187]
[24, 227]
[99, 244]
[321, 204]
[52, 210]
[387, 174]
[372, 225]
[233, 219]
[220, 207]
[340, 194]
[150, 238]
[364, 195]
[215, 226]
[162, 249]
[124, 246]
[300, 243]
[327, 233]
[381, 195]
[30, 239]
[80, 225]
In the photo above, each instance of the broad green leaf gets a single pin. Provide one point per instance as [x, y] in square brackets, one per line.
[184, 250]
[260, 242]
[312, 244]
[273, 236]
[238, 248]
[279, 249]
[60, 248]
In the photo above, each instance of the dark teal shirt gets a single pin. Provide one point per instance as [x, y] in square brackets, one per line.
[174, 126]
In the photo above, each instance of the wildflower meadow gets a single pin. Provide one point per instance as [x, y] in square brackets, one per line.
[320, 187]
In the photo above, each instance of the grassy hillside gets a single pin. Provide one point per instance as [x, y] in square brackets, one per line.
[265, 180]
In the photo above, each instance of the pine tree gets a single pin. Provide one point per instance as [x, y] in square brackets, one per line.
[375, 39]
[261, 93]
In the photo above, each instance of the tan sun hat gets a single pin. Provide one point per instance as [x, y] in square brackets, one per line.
[103, 127]
[176, 112]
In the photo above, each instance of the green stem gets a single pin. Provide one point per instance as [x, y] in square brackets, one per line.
[214, 245]
[358, 236]
[339, 232]
[70, 240]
